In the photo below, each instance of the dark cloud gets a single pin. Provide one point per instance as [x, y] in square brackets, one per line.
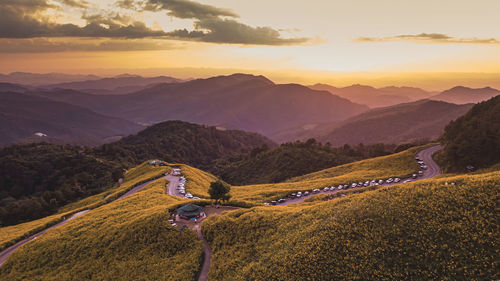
[211, 26]
[44, 45]
[231, 31]
[430, 38]
[22, 19]
[76, 3]
[184, 9]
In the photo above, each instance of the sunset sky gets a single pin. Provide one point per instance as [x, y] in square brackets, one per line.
[307, 41]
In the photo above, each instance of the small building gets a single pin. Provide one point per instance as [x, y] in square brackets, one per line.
[189, 211]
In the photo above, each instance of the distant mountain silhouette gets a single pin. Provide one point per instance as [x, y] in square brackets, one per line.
[26, 78]
[239, 101]
[397, 124]
[21, 116]
[121, 84]
[375, 97]
[463, 95]
[10, 87]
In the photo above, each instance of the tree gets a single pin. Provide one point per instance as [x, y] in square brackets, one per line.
[219, 191]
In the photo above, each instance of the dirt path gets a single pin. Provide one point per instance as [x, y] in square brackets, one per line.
[208, 255]
[424, 154]
[7, 252]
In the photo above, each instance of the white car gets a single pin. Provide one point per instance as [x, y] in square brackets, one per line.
[326, 189]
[332, 188]
[381, 182]
[406, 181]
[354, 185]
[188, 196]
[340, 187]
[389, 180]
[315, 190]
[397, 180]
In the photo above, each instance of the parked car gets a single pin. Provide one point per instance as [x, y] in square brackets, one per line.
[332, 188]
[188, 196]
[326, 189]
[293, 195]
[390, 180]
[196, 197]
[367, 183]
[273, 202]
[340, 187]
[354, 184]
[281, 200]
[414, 176]
[420, 173]
[424, 167]
[381, 182]
[406, 181]
[306, 193]
[397, 180]
[315, 190]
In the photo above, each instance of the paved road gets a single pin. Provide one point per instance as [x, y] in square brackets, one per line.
[172, 186]
[139, 187]
[7, 252]
[424, 154]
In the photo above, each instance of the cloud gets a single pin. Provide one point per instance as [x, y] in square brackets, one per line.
[45, 45]
[75, 3]
[186, 9]
[24, 19]
[211, 26]
[231, 31]
[430, 38]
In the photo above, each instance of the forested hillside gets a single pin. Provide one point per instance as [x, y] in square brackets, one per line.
[181, 142]
[291, 160]
[37, 179]
[473, 139]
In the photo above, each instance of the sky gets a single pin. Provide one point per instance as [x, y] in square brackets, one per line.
[430, 43]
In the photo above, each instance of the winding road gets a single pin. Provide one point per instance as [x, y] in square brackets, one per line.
[7, 252]
[424, 154]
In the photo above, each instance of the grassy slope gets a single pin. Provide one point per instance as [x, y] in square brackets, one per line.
[395, 165]
[198, 181]
[425, 231]
[129, 239]
[11, 234]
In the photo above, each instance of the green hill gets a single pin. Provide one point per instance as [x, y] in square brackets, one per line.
[129, 239]
[37, 179]
[473, 139]
[421, 231]
[291, 160]
[181, 142]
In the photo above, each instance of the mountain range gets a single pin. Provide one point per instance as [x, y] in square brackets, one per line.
[424, 119]
[21, 116]
[282, 112]
[374, 97]
[239, 101]
[463, 95]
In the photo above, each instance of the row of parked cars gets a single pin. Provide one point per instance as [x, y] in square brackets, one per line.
[354, 185]
[182, 190]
